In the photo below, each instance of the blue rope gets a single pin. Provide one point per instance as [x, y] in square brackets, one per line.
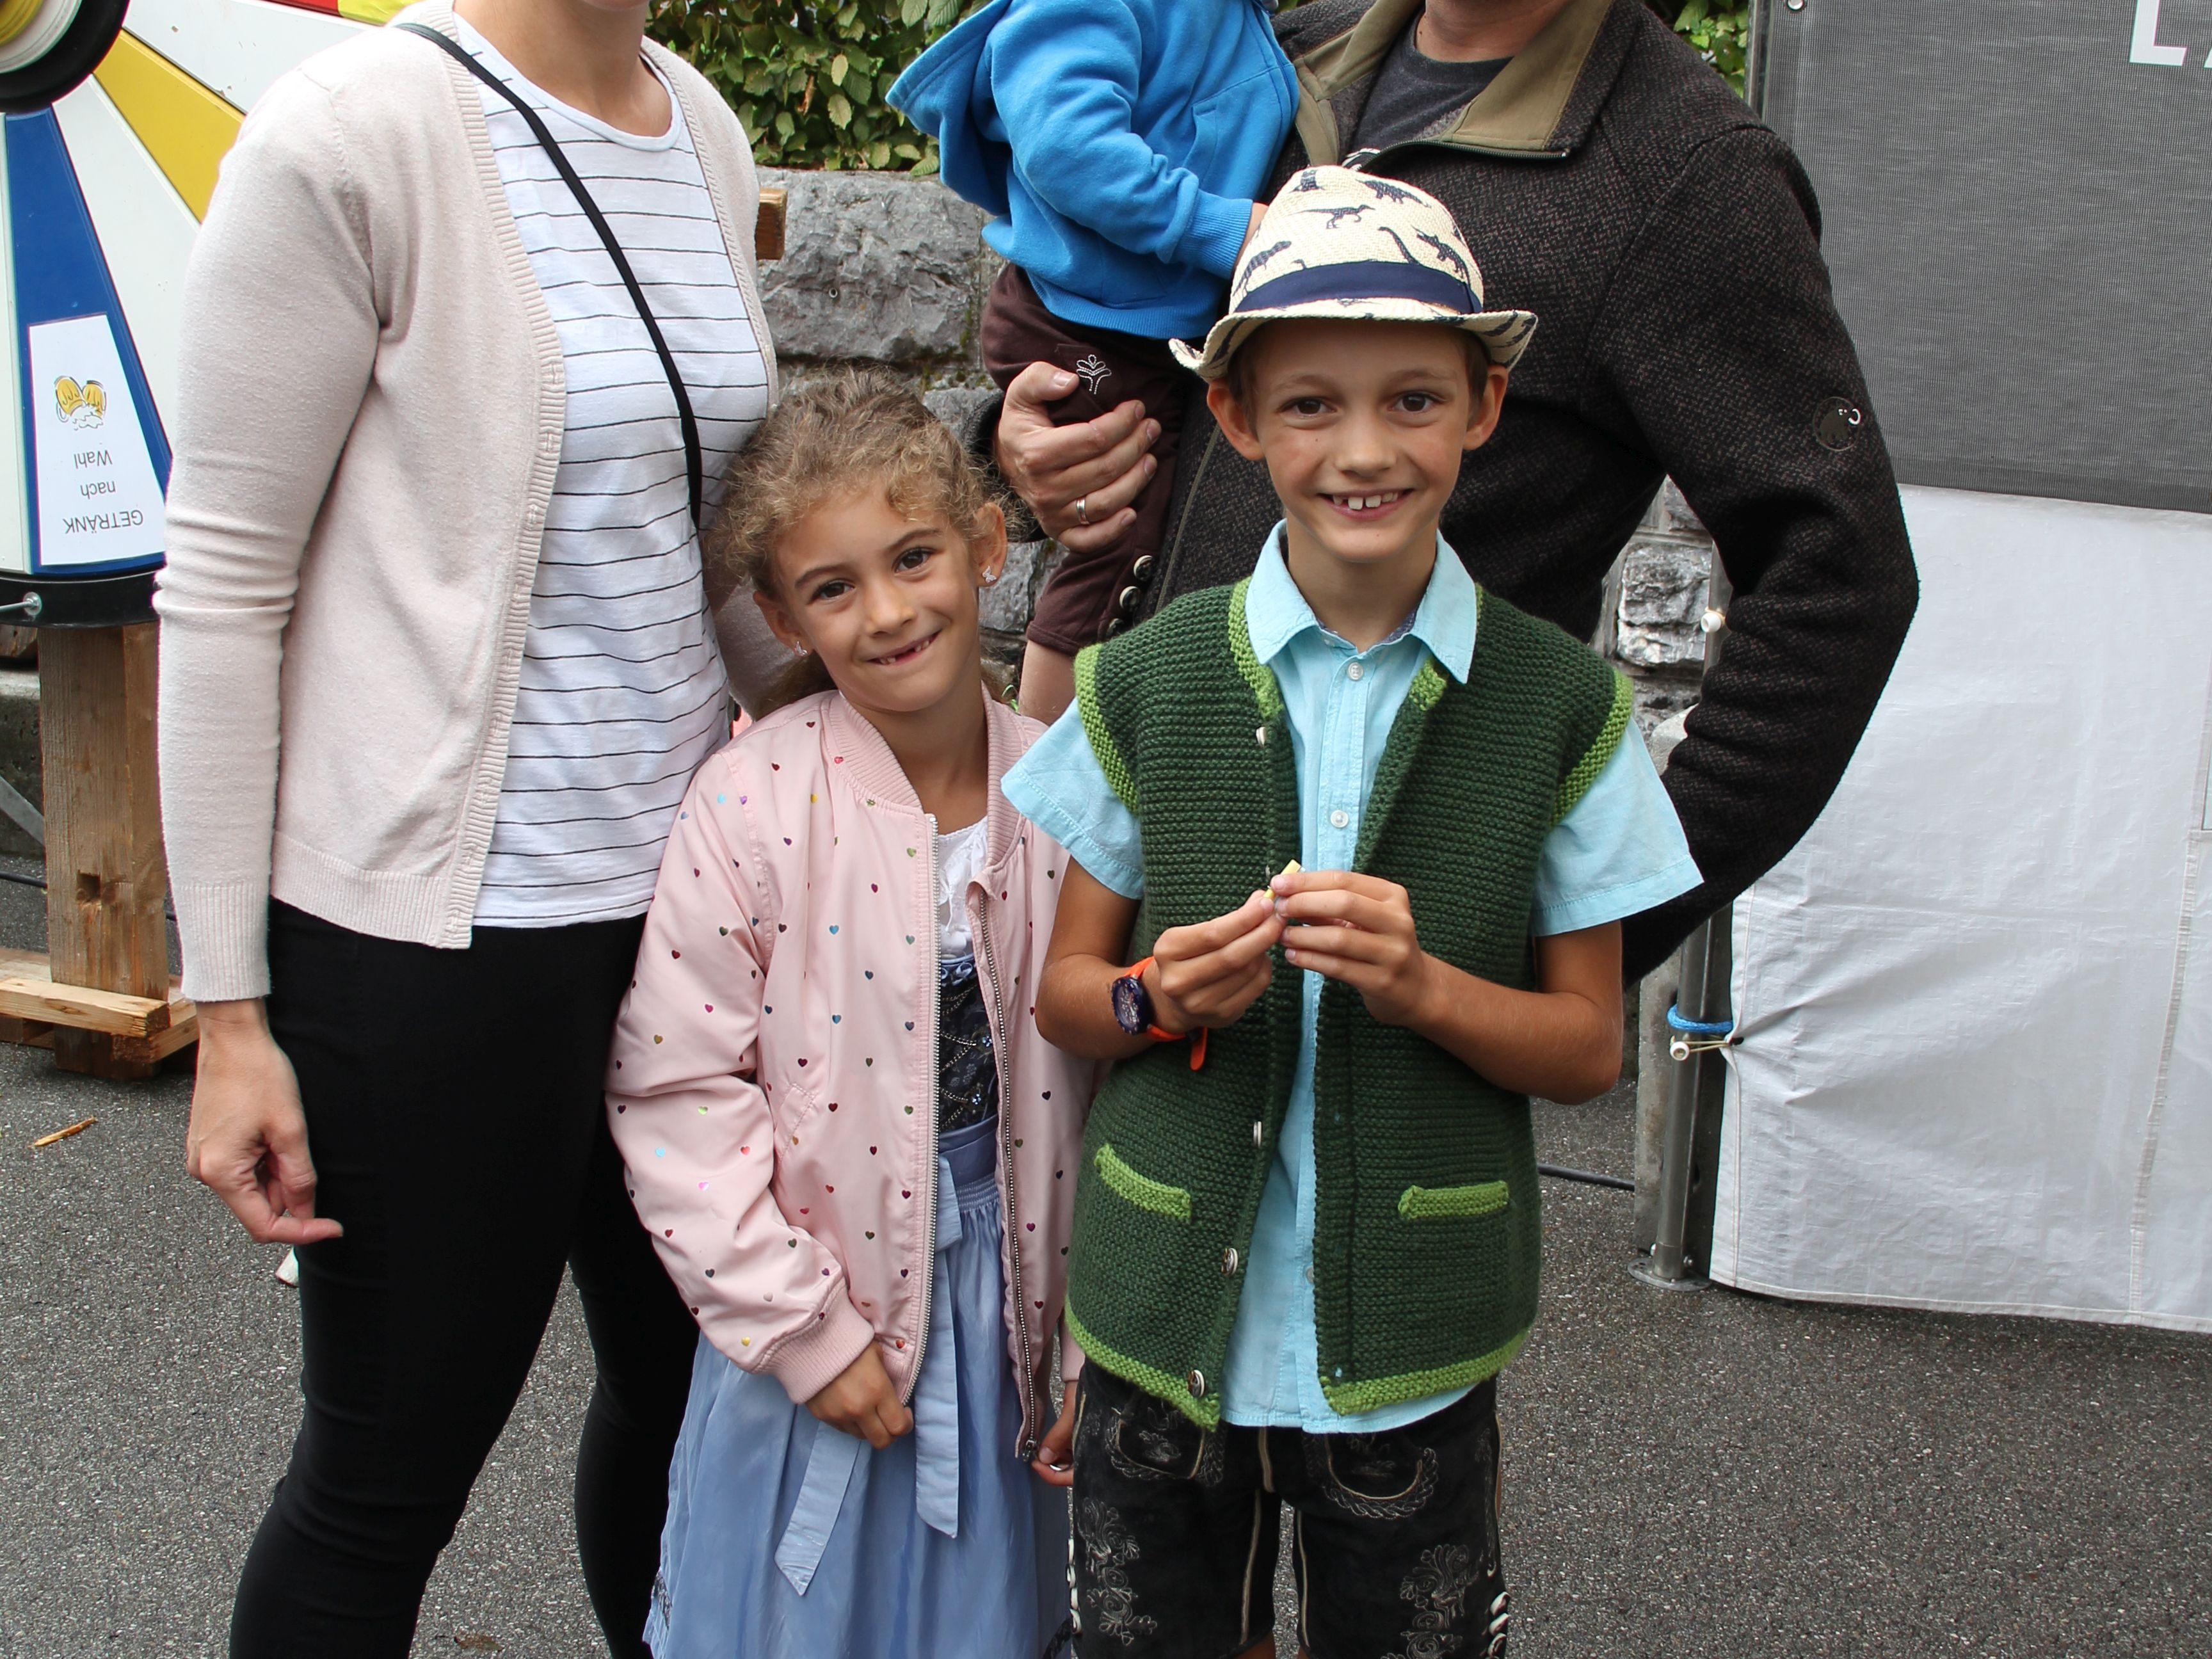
[1713, 1028]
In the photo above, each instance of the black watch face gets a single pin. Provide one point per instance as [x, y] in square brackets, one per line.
[1132, 1009]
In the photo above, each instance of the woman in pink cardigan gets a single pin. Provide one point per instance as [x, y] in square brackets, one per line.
[855, 1153]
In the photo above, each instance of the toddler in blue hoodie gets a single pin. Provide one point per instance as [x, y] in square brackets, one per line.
[1119, 147]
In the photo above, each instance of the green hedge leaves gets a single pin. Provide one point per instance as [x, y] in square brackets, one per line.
[808, 80]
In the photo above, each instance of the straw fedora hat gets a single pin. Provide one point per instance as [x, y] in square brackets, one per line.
[1341, 246]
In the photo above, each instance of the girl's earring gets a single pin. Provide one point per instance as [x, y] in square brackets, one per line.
[990, 579]
[802, 651]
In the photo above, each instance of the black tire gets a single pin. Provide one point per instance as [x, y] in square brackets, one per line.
[75, 56]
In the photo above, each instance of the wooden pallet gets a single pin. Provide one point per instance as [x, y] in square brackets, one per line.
[104, 1004]
[140, 1031]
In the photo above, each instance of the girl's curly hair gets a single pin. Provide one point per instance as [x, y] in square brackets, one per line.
[852, 431]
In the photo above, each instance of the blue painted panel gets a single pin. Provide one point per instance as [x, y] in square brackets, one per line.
[61, 272]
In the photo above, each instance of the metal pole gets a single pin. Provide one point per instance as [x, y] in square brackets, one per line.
[1705, 993]
[1701, 999]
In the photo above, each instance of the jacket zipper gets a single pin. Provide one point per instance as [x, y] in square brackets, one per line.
[1031, 1406]
[1363, 160]
[929, 1169]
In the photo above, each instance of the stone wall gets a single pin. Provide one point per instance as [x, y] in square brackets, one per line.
[887, 270]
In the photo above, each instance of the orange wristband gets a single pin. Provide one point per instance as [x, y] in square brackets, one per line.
[1197, 1035]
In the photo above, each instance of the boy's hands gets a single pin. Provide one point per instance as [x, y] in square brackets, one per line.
[1055, 1462]
[862, 1403]
[1358, 929]
[1209, 973]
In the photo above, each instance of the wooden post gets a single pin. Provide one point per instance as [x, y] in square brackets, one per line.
[107, 879]
[767, 228]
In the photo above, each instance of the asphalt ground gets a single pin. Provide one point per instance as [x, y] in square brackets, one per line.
[1708, 1474]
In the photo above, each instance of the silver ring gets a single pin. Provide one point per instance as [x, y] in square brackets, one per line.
[1083, 509]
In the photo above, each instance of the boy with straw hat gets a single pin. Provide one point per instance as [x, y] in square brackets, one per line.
[1306, 1232]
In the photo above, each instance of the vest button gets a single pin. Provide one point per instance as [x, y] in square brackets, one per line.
[1197, 1382]
[1259, 1134]
[1128, 599]
[1142, 570]
[1229, 1261]
[1114, 627]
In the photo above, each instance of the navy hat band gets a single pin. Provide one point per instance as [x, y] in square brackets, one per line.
[1366, 279]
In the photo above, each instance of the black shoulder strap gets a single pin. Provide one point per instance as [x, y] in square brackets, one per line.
[684, 415]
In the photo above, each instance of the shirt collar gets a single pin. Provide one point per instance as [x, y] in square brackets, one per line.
[1276, 612]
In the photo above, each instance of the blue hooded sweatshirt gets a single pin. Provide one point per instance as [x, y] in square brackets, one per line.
[1117, 145]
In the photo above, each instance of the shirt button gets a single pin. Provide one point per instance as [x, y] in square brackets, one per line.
[1197, 1383]
[1229, 1261]
[1310, 1277]
[1339, 818]
[1354, 670]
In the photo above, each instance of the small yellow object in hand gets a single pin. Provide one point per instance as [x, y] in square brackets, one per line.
[1291, 868]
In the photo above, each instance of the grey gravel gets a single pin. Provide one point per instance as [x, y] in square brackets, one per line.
[1684, 1474]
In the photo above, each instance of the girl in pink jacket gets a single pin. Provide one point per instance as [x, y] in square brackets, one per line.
[854, 1153]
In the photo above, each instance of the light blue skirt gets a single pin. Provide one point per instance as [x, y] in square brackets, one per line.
[788, 1540]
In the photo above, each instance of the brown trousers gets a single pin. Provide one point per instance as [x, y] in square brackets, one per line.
[1092, 595]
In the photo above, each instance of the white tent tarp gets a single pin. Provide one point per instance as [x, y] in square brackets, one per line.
[1975, 1005]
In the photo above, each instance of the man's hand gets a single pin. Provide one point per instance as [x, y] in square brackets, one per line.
[1055, 1462]
[1358, 929]
[862, 1403]
[248, 1138]
[1209, 973]
[1100, 463]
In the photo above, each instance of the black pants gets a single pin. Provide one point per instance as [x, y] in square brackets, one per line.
[458, 1130]
[1396, 1542]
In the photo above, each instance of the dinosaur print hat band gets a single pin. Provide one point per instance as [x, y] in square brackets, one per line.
[1338, 246]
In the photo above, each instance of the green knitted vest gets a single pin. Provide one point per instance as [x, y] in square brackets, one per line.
[1426, 1231]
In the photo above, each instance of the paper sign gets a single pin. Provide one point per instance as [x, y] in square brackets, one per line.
[98, 500]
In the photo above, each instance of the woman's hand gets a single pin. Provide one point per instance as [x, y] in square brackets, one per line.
[248, 1138]
[1209, 973]
[862, 1403]
[1099, 464]
[1055, 1462]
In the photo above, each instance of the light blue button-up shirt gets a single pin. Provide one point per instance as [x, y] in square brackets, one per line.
[1619, 852]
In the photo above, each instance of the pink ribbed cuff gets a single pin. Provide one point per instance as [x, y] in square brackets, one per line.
[225, 930]
[811, 1361]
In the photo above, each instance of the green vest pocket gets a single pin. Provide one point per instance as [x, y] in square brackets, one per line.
[1147, 1193]
[1435, 1203]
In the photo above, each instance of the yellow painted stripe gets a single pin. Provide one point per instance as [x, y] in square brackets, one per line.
[15, 17]
[372, 11]
[186, 128]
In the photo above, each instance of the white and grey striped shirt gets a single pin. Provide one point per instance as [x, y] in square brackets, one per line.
[622, 693]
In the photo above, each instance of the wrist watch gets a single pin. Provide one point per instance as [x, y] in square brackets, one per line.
[1132, 1013]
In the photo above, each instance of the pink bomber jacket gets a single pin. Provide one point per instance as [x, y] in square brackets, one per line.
[773, 1081]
